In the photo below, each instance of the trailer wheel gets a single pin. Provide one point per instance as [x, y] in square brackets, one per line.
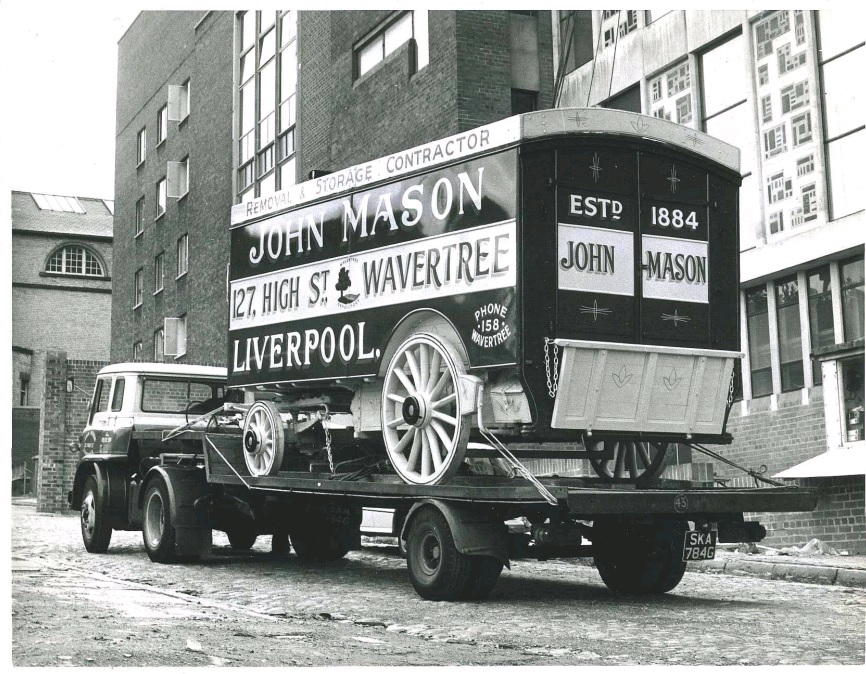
[422, 420]
[264, 439]
[324, 545]
[632, 460]
[156, 527]
[482, 579]
[635, 558]
[437, 569]
[95, 529]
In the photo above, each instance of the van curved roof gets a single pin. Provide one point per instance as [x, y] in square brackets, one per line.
[172, 369]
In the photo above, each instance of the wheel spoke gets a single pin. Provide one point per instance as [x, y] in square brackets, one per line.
[620, 459]
[404, 441]
[410, 389]
[393, 397]
[443, 380]
[425, 456]
[413, 368]
[443, 435]
[444, 401]
[642, 454]
[396, 422]
[632, 460]
[444, 417]
[435, 364]
[413, 455]
[433, 443]
[424, 366]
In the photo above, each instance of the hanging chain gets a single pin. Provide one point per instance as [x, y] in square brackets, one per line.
[325, 417]
[731, 386]
[552, 382]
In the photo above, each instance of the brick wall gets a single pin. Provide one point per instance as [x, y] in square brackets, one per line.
[63, 418]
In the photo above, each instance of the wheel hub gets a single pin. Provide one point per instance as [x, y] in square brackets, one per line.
[415, 410]
[252, 441]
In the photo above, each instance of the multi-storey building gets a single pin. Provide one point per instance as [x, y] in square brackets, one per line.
[216, 108]
[61, 303]
[780, 85]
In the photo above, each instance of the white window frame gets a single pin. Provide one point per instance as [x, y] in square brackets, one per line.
[159, 273]
[161, 197]
[161, 125]
[138, 288]
[141, 146]
[174, 331]
[139, 217]
[182, 256]
[178, 101]
[379, 39]
[177, 174]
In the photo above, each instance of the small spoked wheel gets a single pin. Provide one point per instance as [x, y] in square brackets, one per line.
[264, 439]
[422, 422]
[632, 460]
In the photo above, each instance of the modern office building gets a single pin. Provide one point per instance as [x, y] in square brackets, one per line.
[780, 85]
[61, 304]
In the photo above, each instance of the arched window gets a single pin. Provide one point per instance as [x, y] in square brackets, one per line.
[76, 260]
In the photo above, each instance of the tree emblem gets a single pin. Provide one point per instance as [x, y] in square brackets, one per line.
[343, 284]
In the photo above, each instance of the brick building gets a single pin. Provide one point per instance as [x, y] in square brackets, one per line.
[777, 84]
[215, 108]
[61, 310]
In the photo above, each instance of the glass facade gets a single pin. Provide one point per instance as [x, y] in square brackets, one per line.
[790, 338]
[759, 341]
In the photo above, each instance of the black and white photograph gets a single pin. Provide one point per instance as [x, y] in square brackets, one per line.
[435, 337]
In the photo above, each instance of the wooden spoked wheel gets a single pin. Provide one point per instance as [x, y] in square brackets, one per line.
[264, 439]
[632, 460]
[422, 423]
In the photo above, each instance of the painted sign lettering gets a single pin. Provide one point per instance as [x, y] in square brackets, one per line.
[594, 259]
[675, 269]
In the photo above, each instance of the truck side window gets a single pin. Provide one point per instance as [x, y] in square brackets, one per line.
[117, 398]
[100, 396]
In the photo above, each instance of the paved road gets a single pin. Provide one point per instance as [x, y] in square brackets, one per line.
[71, 608]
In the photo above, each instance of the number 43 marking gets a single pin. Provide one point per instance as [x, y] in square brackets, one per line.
[664, 217]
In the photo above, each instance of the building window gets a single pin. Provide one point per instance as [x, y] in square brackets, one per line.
[820, 315]
[769, 28]
[801, 129]
[759, 341]
[182, 255]
[625, 100]
[523, 101]
[267, 112]
[159, 345]
[178, 102]
[851, 276]
[162, 124]
[158, 273]
[160, 197]
[727, 116]
[842, 62]
[75, 261]
[141, 147]
[51, 202]
[24, 389]
[575, 40]
[790, 337]
[137, 352]
[177, 174]
[139, 216]
[852, 397]
[175, 336]
[402, 27]
[138, 288]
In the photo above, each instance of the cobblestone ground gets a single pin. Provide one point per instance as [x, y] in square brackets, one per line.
[71, 608]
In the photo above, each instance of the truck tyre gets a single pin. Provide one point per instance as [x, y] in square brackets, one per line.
[157, 530]
[95, 529]
[482, 579]
[280, 542]
[242, 537]
[437, 569]
[635, 558]
[325, 545]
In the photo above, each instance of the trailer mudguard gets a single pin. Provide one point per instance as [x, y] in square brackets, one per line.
[184, 486]
[475, 531]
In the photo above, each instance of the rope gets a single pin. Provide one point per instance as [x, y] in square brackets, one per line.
[613, 61]
[594, 59]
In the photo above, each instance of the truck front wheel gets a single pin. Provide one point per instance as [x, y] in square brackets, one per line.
[639, 558]
[95, 529]
[156, 527]
[437, 569]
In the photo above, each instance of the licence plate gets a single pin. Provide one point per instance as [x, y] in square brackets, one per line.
[699, 545]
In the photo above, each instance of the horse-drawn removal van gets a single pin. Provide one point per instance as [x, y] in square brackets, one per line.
[561, 284]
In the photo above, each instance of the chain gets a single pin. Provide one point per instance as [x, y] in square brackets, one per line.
[326, 417]
[731, 387]
[552, 382]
